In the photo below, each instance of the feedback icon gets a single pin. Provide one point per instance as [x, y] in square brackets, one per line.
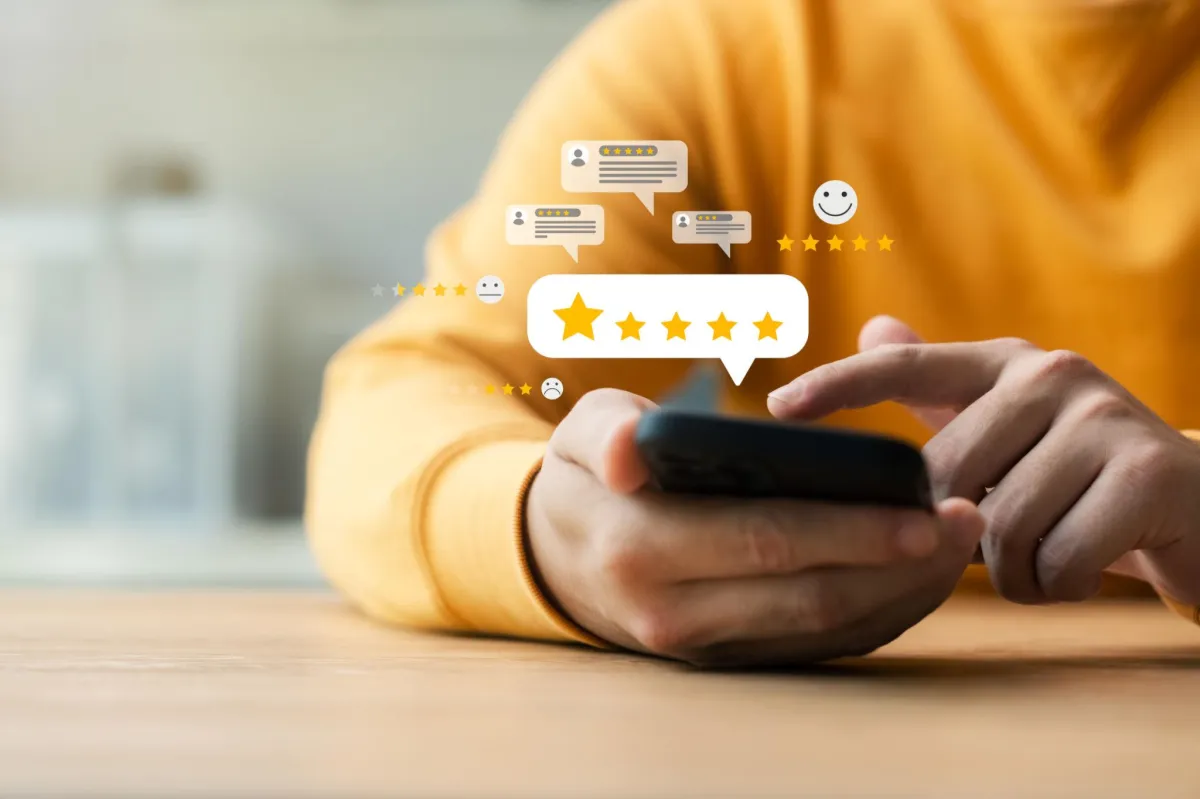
[642, 168]
[722, 228]
[563, 226]
[735, 319]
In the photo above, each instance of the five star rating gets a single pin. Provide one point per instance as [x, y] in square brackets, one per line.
[580, 320]
[835, 244]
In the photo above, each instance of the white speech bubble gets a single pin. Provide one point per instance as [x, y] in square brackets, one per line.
[643, 168]
[721, 228]
[566, 226]
[732, 318]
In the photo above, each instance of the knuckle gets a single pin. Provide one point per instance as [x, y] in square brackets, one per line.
[1059, 364]
[1058, 574]
[660, 632]
[1101, 405]
[1145, 463]
[622, 561]
[814, 608]
[766, 544]
[1014, 343]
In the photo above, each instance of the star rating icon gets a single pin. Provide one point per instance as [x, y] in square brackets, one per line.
[578, 318]
[722, 327]
[861, 243]
[768, 327]
[420, 290]
[631, 328]
[676, 327]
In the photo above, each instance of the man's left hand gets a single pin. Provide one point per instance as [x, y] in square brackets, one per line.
[1073, 474]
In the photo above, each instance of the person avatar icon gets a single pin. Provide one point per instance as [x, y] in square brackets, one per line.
[579, 156]
[682, 220]
[518, 218]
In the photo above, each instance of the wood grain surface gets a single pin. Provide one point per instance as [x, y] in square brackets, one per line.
[294, 694]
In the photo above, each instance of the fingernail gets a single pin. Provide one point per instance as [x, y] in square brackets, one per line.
[917, 538]
[790, 394]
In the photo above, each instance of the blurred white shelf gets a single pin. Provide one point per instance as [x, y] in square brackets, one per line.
[251, 555]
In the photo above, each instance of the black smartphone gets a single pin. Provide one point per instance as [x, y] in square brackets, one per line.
[706, 454]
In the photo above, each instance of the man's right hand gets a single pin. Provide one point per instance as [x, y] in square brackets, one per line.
[719, 582]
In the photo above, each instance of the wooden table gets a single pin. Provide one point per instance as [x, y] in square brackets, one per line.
[292, 694]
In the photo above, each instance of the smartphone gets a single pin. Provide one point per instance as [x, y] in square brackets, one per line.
[711, 455]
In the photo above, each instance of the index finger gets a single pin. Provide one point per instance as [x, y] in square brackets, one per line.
[921, 374]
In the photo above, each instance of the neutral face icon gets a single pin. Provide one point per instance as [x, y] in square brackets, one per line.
[490, 289]
[835, 202]
[552, 388]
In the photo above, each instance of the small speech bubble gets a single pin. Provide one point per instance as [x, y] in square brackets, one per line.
[555, 226]
[733, 318]
[643, 168]
[722, 228]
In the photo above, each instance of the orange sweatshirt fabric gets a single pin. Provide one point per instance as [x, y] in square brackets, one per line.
[1035, 162]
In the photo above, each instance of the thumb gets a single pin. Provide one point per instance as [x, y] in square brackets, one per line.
[598, 435]
[882, 330]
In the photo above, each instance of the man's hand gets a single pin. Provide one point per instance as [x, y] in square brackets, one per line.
[722, 582]
[1073, 475]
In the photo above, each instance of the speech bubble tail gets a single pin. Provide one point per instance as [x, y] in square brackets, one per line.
[573, 251]
[737, 366]
[724, 245]
[647, 198]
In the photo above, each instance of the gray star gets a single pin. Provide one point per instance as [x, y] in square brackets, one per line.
[377, 291]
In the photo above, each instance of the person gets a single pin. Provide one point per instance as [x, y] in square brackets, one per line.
[518, 218]
[682, 220]
[578, 160]
[1025, 176]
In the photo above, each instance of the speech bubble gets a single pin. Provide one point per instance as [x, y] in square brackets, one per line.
[733, 318]
[722, 228]
[566, 226]
[643, 168]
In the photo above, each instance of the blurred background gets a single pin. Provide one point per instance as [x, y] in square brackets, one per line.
[196, 198]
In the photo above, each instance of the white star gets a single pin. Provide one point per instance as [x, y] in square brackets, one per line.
[377, 291]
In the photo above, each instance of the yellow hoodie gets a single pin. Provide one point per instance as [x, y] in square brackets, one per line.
[1035, 162]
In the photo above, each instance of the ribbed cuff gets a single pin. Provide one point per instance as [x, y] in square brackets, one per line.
[475, 544]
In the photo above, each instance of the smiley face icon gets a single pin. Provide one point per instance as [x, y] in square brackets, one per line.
[552, 388]
[490, 289]
[835, 202]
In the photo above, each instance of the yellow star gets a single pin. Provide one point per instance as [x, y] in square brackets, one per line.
[604, 151]
[885, 243]
[489, 389]
[578, 318]
[526, 388]
[722, 327]
[810, 243]
[631, 328]
[628, 151]
[419, 290]
[676, 328]
[835, 243]
[399, 290]
[508, 389]
[541, 212]
[767, 328]
[860, 243]
[460, 289]
[785, 243]
[439, 290]
[639, 151]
